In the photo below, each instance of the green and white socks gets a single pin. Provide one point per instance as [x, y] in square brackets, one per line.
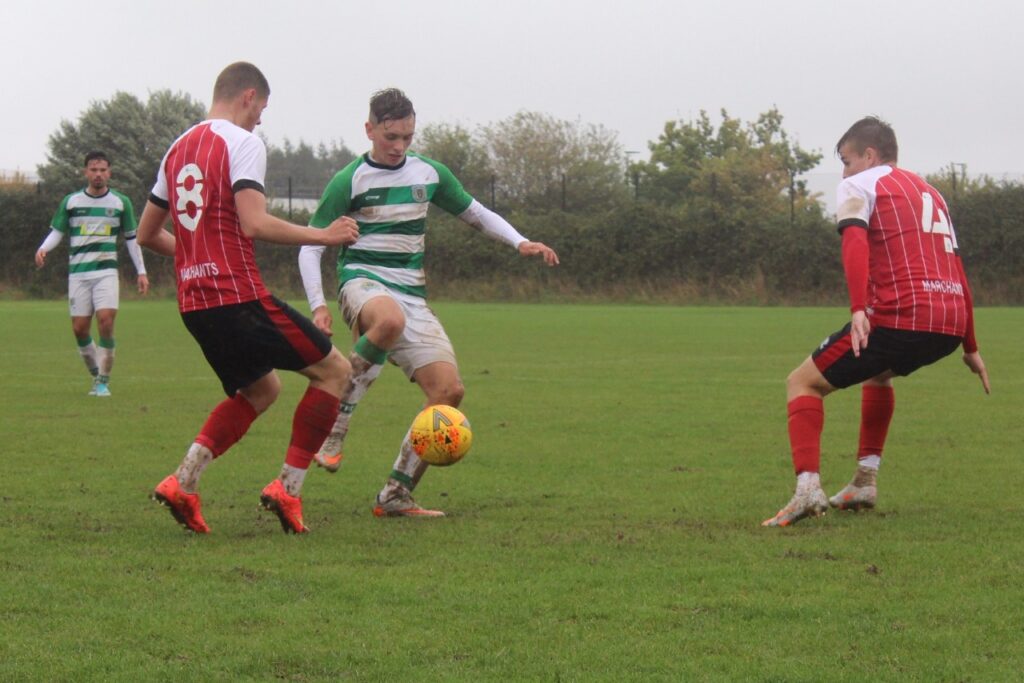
[367, 361]
[406, 471]
[105, 356]
[99, 361]
[87, 350]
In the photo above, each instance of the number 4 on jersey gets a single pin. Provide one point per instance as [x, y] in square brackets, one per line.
[939, 225]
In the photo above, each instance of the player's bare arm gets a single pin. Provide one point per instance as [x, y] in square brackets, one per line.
[151, 233]
[539, 249]
[977, 366]
[257, 224]
[40, 258]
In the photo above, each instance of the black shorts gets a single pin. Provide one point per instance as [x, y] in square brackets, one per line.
[901, 351]
[243, 342]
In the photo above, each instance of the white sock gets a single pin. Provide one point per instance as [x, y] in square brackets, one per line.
[403, 472]
[292, 478]
[88, 353]
[363, 374]
[806, 481]
[105, 356]
[192, 466]
[871, 462]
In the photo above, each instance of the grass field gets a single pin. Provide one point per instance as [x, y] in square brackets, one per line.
[604, 527]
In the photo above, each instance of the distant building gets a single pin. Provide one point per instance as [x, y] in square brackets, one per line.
[17, 177]
[296, 203]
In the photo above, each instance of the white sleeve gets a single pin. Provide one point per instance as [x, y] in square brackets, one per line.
[248, 163]
[136, 253]
[312, 281]
[855, 198]
[51, 241]
[491, 224]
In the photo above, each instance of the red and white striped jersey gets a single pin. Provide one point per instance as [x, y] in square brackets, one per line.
[214, 260]
[914, 275]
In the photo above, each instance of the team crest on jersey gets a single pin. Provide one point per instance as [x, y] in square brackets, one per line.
[110, 212]
[419, 193]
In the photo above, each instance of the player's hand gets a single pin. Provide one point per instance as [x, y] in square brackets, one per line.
[343, 231]
[860, 328]
[539, 249]
[977, 366]
[323, 320]
[143, 283]
[40, 258]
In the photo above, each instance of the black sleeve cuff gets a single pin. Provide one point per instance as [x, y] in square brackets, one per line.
[248, 185]
[851, 223]
[162, 203]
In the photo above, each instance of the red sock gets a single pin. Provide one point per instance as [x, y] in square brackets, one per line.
[806, 419]
[314, 417]
[227, 423]
[876, 408]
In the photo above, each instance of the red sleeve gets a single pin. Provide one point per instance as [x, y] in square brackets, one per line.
[855, 264]
[970, 342]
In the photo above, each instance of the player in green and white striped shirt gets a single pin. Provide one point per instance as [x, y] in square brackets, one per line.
[382, 286]
[92, 218]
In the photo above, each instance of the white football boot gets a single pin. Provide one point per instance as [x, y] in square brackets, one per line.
[808, 502]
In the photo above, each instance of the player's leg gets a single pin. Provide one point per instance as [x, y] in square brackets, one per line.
[833, 365]
[290, 341]
[904, 352]
[877, 404]
[441, 384]
[105, 356]
[80, 305]
[226, 424]
[312, 421]
[224, 335]
[806, 389]
[425, 355]
[105, 299]
[378, 323]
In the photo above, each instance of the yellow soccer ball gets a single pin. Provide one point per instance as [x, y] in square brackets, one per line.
[441, 435]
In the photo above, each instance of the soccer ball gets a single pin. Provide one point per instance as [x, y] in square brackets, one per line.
[441, 435]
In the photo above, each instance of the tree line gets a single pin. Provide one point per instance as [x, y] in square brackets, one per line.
[718, 212]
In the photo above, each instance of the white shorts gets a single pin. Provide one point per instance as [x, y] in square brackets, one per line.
[423, 341]
[88, 295]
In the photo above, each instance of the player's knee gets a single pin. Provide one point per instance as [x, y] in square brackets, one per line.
[450, 394]
[793, 380]
[263, 392]
[333, 372]
[339, 368]
[387, 329]
[797, 384]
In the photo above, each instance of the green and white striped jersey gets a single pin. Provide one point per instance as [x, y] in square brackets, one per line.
[390, 205]
[92, 225]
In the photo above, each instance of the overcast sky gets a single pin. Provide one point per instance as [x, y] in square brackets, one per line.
[947, 75]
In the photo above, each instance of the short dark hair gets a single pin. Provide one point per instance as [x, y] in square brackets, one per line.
[390, 104]
[871, 131]
[238, 77]
[95, 155]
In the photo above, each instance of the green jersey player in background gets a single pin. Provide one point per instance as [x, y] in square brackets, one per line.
[92, 218]
[382, 291]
